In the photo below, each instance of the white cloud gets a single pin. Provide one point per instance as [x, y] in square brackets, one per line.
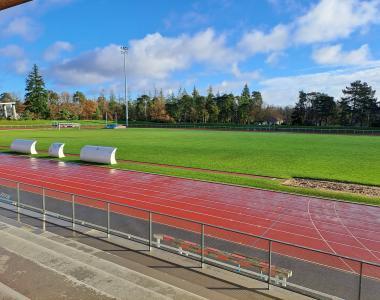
[229, 86]
[333, 19]
[247, 76]
[22, 20]
[287, 6]
[257, 41]
[21, 66]
[24, 27]
[55, 50]
[12, 51]
[16, 59]
[284, 90]
[151, 59]
[274, 58]
[328, 20]
[333, 55]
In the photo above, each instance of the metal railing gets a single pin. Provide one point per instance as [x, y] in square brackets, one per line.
[24, 126]
[313, 272]
[347, 131]
[46, 126]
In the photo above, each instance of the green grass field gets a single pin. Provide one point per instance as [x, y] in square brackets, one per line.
[334, 157]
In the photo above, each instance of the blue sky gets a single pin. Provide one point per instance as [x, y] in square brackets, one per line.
[276, 46]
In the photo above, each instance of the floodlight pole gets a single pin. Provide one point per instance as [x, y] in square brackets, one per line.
[124, 50]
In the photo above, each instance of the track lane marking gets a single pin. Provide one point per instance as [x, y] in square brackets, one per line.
[349, 231]
[323, 239]
[256, 216]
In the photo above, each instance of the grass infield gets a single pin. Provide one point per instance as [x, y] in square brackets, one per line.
[281, 155]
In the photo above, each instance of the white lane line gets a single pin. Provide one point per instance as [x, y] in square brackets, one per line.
[160, 191]
[216, 209]
[200, 213]
[193, 212]
[84, 174]
[324, 240]
[203, 206]
[349, 231]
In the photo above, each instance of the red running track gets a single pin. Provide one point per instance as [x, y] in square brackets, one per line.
[336, 227]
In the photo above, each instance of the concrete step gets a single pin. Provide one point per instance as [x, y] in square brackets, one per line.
[34, 281]
[7, 293]
[78, 263]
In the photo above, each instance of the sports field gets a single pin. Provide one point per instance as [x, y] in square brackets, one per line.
[281, 155]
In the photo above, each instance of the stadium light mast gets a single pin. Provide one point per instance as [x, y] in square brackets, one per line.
[124, 51]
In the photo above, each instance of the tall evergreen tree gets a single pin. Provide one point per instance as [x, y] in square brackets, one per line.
[211, 106]
[142, 107]
[226, 105]
[245, 94]
[322, 108]
[244, 105]
[344, 112]
[299, 112]
[200, 106]
[360, 97]
[257, 107]
[36, 96]
[172, 107]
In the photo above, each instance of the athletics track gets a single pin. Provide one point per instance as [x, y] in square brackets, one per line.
[336, 227]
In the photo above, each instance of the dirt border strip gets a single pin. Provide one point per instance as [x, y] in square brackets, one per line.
[335, 186]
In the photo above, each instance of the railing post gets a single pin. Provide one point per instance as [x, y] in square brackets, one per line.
[18, 201]
[203, 245]
[150, 231]
[108, 220]
[43, 210]
[73, 210]
[360, 280]
[269, 262]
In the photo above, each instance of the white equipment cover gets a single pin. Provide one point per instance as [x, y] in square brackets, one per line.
[98, 154]
[24, 146]
[56, 150]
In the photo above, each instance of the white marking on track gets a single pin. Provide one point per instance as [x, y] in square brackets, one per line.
[323, 239]
[350, 232]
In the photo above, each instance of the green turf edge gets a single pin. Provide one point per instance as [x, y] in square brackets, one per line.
[261, 183]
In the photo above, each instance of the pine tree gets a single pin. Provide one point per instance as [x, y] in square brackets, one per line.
[211, 106]
[244, 105]
[245, 94]
[360, 97]
[299, 112]
[256, 107]
[36, 97]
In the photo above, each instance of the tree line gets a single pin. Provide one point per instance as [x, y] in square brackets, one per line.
[357, 107]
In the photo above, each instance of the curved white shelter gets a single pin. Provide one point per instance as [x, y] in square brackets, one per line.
[56, 150]
[24, 146]
[98, 154]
